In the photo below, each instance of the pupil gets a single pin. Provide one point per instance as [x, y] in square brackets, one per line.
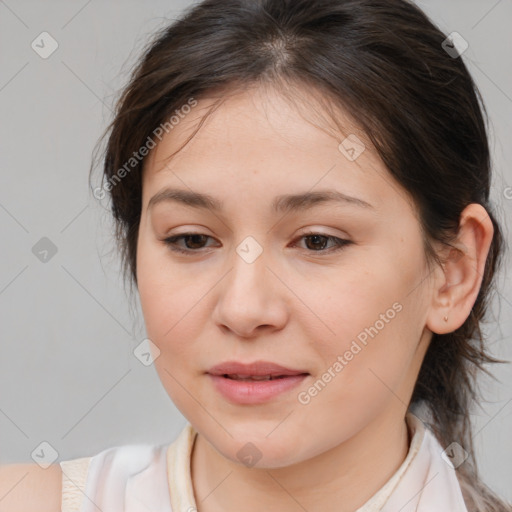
[194, 240]
[317, 240]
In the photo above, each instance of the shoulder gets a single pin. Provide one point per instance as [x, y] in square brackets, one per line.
[28, 487]
[109, 476]
[124, 460]
[117, 476]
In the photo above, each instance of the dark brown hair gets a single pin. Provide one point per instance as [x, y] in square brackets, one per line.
[383, 62]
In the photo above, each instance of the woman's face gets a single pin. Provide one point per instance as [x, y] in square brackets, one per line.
[268, 281]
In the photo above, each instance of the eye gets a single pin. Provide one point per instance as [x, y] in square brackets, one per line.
[318, 241]
[195, 241]
[191, 240]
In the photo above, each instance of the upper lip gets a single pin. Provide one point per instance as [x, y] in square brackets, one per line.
[257, 368]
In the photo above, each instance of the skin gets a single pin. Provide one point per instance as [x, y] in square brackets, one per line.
[30, 488]
[296, 305]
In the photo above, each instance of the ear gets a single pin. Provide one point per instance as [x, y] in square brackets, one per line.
[458, 282]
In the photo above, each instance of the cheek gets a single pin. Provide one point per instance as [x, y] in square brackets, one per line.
[173, 303]
[160, 293]
[373, 323]
[363, 368]
[358, 298]
[156, 297]
[170, 320]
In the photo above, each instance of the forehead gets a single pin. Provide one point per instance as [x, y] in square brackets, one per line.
[251, 121]
[256, 141]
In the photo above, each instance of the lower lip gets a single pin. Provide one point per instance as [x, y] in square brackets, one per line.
[255, 391]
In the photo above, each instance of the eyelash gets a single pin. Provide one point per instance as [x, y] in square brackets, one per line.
[340, 242]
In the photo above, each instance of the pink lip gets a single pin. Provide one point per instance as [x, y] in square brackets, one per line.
[254, 392]
[256, 368]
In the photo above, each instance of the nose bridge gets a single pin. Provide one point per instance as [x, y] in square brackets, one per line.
[249, 250]
[249, 268]
[247, 297]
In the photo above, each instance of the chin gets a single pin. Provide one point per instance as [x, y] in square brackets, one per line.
[255, 448]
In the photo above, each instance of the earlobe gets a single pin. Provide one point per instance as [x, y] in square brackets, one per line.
[458, 282]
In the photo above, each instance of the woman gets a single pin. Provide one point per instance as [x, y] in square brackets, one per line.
[301, 192]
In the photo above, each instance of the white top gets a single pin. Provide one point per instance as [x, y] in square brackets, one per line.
[143, 477]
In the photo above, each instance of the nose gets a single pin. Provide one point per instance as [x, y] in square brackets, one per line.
[251, 299]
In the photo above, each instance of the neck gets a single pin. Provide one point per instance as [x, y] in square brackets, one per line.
[341, 479]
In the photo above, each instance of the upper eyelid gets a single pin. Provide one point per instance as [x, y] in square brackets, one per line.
[181, 236]
[300, 235]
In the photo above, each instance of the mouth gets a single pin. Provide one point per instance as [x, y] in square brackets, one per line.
[254, 383]
[255, 390]
[256, 378]
[254, 370]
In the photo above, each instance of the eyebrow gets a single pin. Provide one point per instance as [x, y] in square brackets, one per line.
[284, 203]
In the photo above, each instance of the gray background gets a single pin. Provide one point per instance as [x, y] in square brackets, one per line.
[68, 375]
